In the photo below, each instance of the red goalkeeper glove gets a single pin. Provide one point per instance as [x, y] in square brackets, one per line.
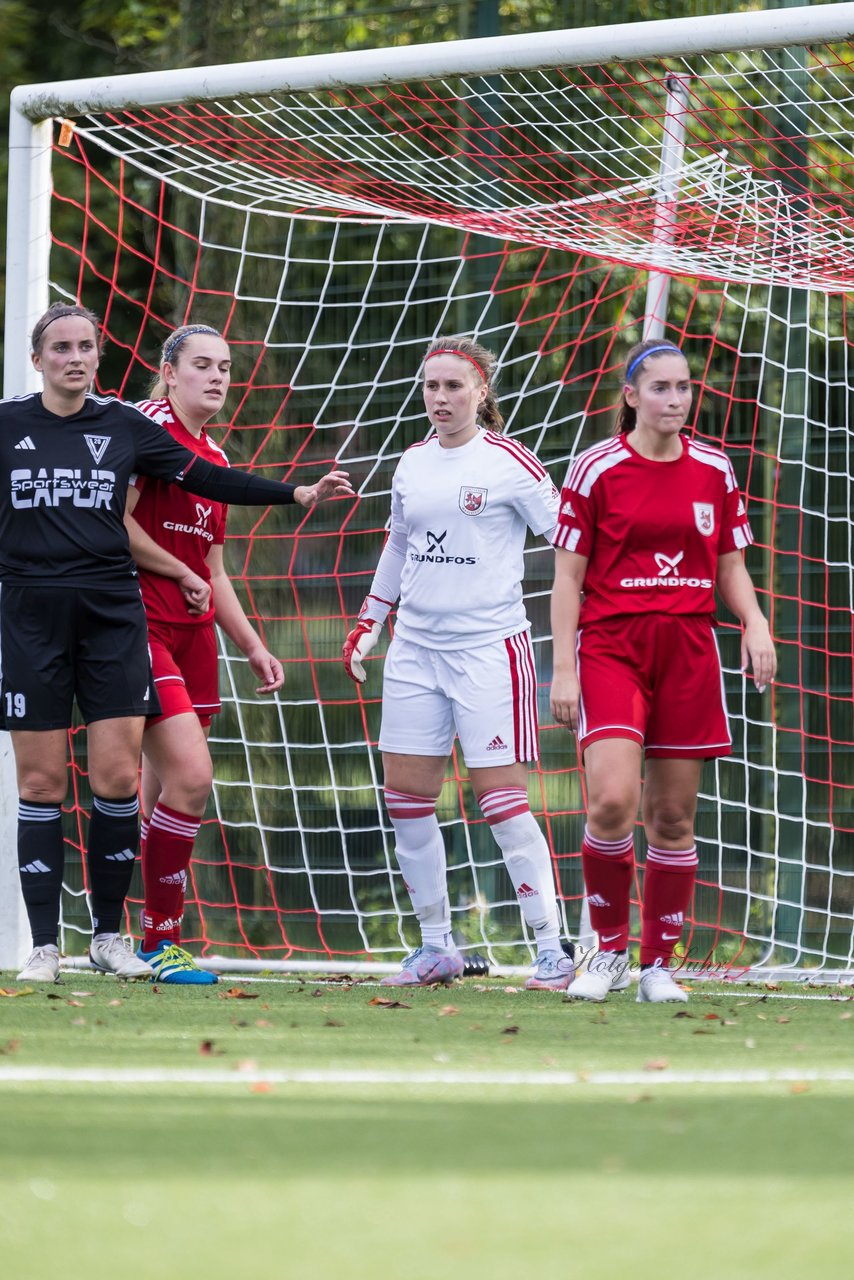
[358, 645]
[364, 635]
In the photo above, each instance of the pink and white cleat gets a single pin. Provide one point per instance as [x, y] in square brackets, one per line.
[554, 972]
[426, 967]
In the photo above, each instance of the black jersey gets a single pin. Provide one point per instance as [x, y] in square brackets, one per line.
[63, 487]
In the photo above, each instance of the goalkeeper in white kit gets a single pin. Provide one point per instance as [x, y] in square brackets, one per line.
[461, 661]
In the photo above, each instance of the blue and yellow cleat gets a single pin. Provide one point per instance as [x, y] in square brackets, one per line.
[171, 963]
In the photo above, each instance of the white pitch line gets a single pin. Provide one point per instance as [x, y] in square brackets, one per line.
[154, 1076]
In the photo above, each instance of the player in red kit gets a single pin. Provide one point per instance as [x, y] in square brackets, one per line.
[651, 524]
[177, 542]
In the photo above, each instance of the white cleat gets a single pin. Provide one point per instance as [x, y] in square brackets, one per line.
[607, 971]
[42, 965]
[656, 986]
[111, 954]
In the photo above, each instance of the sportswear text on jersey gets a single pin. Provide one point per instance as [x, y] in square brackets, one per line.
[62, 484]
[63, 488]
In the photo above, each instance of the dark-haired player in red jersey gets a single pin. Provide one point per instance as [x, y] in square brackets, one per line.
[72, 624]
[461, 662]
[651, 524]
[177, 543]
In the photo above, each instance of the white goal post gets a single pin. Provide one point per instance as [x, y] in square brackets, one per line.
[321, 197]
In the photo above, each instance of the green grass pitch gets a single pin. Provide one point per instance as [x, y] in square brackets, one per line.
[300, 1130]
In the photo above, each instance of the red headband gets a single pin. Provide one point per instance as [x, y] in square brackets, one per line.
[452, 351]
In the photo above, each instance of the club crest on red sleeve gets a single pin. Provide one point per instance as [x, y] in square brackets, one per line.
[704, 518]
[472, 501]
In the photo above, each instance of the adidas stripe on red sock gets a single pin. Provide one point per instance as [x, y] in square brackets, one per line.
[608, 866]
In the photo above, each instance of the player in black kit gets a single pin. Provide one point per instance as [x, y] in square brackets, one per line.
[72, 625]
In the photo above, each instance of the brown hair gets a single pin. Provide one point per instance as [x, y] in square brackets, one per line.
[59, 311]
[484, 364]
[635, 361]
[170, 352]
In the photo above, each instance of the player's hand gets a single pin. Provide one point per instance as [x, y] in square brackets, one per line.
[564, 700]
[335, 484]
[758, 653]
[266, 668]
[196, 592]
[358, 645]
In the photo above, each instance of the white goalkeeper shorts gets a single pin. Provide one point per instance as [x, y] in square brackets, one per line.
[486, 696]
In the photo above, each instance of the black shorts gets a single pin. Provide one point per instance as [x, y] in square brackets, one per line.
[58, 644]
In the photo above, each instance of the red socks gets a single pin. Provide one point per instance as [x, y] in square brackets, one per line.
[608, 866]
[167, 850]
[667, 887]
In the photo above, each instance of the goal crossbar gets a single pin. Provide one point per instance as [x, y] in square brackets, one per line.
[587, 46]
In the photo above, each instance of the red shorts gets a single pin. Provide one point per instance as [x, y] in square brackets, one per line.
[186, 675]
[655, 678]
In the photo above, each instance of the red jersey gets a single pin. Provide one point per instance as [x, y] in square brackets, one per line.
[651, 531]
[179, 522]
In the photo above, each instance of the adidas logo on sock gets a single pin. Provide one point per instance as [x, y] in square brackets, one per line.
[596, 900]
[525, 891]
[26, 443]
[497, 745]
[35, 868]
[165, 925]
[125, 855]
[177, 877]
[677, 918]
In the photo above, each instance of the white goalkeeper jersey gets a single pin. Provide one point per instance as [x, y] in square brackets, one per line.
[459, 520]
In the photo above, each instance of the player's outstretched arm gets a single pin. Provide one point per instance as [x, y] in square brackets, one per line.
[335, 484]
[240, 488]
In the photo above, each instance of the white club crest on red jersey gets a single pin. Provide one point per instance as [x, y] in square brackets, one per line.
[704, 518]
[472, 501]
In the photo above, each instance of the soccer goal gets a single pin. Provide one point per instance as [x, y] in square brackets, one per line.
[557, 196]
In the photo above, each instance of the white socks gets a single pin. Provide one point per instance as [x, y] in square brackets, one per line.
[526, 856]
[420, 852]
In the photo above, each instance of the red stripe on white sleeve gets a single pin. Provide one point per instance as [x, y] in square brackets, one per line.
[517, 451]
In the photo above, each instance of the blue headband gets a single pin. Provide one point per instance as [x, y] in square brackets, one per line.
[171, 347]
[651, 351]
